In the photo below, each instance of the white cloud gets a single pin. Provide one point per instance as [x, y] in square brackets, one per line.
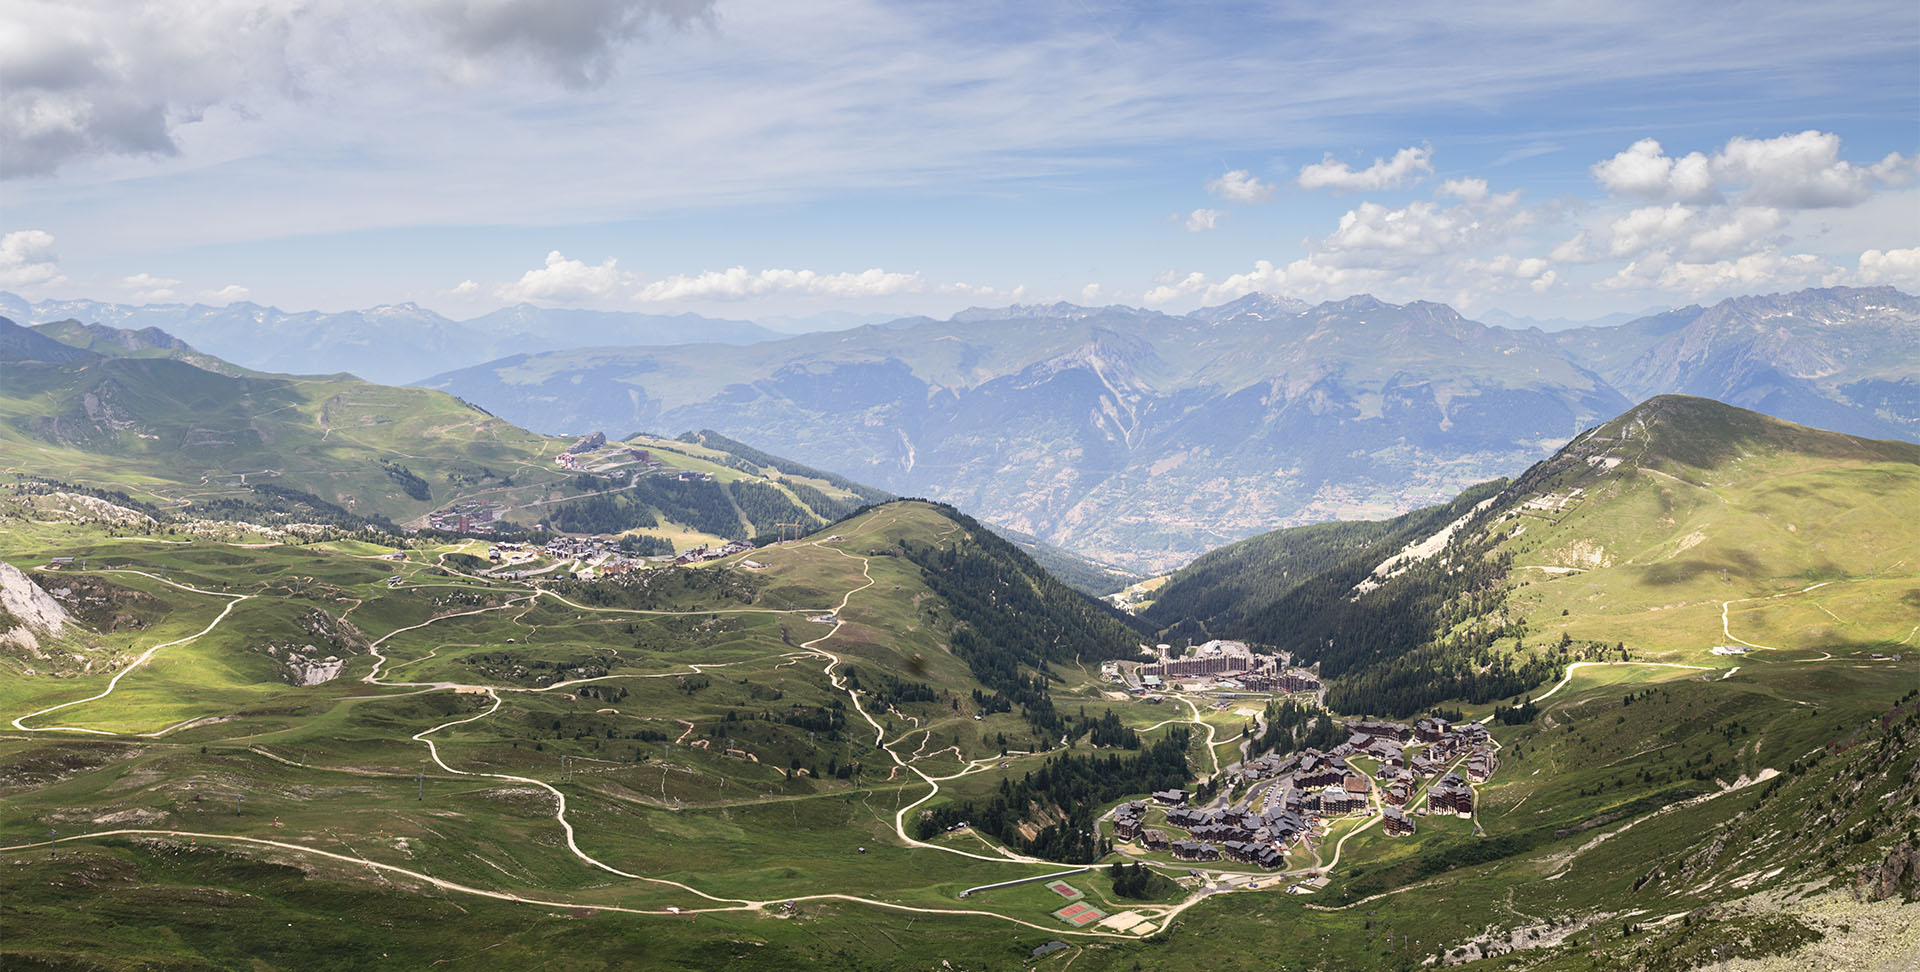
[737, 282]
[1425, 248]
[1648, 227]
[1645, 171]
[227, 294]
[465, 288]
[1303, 276]
[1090, 293]
[1800, 171]
[1202, 220]
[1173, 287]
[562, 279]
[1696, 234]
[963, 288]
[1574, 250]
[1535, 272]
[1805, 171]
[1470, 190]
[1372, 234]
[1723, 233]
[1240, 186]
[1382, 174]
[1765, 269]
[27, 259]
[1898, 267]
[147, 287]
[1420, 229]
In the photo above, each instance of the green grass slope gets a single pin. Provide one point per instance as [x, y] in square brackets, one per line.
[143, 413]
[168, 431]
[1687, 524]
[731, 739]
[1682, 525]
[147, 342]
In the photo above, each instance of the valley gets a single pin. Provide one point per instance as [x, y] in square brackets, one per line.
[1594, 702]
[586, 821]
[727, 486]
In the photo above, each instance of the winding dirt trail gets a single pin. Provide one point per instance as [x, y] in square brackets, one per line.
[1728, 631]
[113, 683]
[880, 733]
[718, 903]
[446, 885]
[560, 803]
[1564, 679]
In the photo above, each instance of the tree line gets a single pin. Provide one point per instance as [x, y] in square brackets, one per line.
[1067, 789]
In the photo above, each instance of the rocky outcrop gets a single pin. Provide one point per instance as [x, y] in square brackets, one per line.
[306, 664]
[1897, 875]
[312, 664]
[27, 613]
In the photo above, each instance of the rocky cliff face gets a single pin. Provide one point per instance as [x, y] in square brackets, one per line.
[1898, 875]
[27, 613]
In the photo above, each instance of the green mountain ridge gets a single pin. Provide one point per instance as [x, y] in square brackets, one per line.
[146, 414]
[1678, 499]
[147, 342]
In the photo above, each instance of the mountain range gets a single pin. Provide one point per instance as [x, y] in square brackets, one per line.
[391, 343]
[1143, 439]
[1130, 436]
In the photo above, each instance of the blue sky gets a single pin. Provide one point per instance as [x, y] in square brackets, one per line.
[748, 159]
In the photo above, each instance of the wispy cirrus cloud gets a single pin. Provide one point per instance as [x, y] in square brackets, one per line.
[768, 99]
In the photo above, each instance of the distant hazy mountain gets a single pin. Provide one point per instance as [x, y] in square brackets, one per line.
[1520, 323]
[1131, 436]
[1141, 438]
[823, 321]
[390, 343]
[1846, 359]
[1252, 307]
